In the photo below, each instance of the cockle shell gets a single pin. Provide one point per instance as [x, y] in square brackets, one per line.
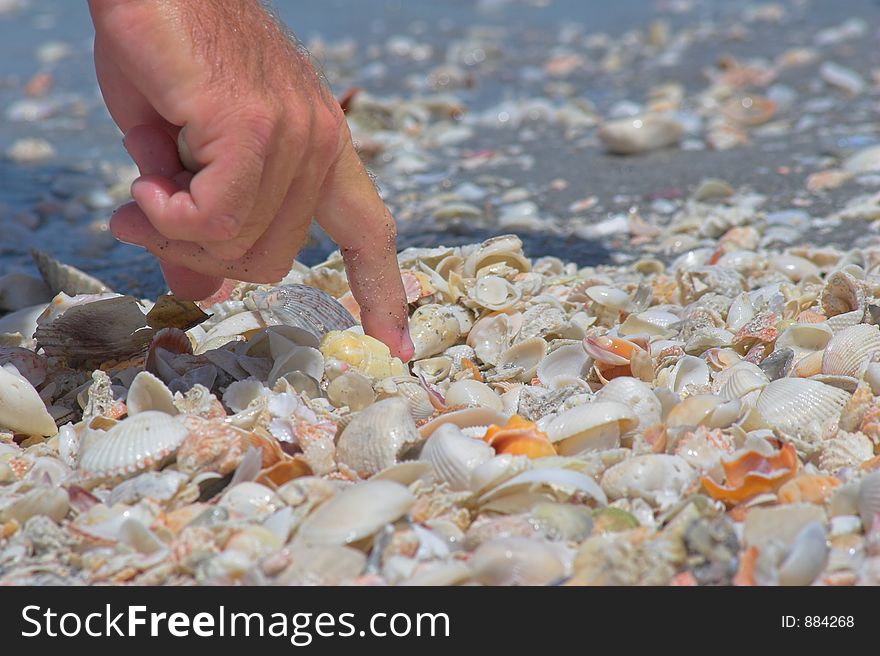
[658, 478]
[304, 307]
[473, 393]
[377, 436]
[849, 352]
[801, 409]
[434, 328]
[412, 390]
[632, 136]
[635, 394]
[356, 513]
[147, 392]
[366, 354]
[454, 456]
[137, 443]
[590, 427]
[21, 408]
[844, 450]
[741, 381]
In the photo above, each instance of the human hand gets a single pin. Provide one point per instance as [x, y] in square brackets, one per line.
[272, 142]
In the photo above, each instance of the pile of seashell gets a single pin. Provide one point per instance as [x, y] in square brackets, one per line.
[714, 421]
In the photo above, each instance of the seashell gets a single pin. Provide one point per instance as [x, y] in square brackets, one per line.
[844, 450]
[490, 336]
[519, 437]
[406, 473]
[804, 338]
[21, 408]
[493, 293]
[377, 436]
[65, 278]
[463, 418]
[304, 307]
[796, 268]
[652, 322]
[842, 294]
[525, 355]
[562, 484]
[355, 513]
[740, 381]
[19, 291]
[800, 408]
[433, 370]
[46, 501]
[751, 473]
[282, 472]
[516, 561]
[324, 565]
[807, 488]
[412, 390]
[137, 443]
[658, 478]
[868, 500]
[562, 365]
[846, 320]
[240, 394]
[297, 359]
[704, 410]
[640, 134]
[740, 312]
[28, 364]
[473, 393]
[147, 392]
[781, 524]
[366, 354]
[454, 456]
[590, 427]
[849, 352]
[562, 521]
[442, 574]
[872, 377]
[504, 250]
[705, 338]
[688, 373]
[636, 395]
[236, 327]
[351, 389]
[250, 500]
[495, 471]
[610, 297]
[806, 558]
[610, 350]
[434, 328]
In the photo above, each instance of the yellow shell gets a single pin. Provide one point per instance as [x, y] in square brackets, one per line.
[366, 354]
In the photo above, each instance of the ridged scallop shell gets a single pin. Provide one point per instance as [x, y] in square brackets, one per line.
[410, 389]
[134, 444]
[740, 380]
[454, 456]
[494, 293]
[563, 365]
[636, 395]
[800, 408]
[356, 513]
[868, 500]
[844, 450]
[147, 392]
[21, 408]
[473, 393]
[658, 478]
[590, 427]
[304, 307]
[377, 436]
[849, 351]
[525, 355]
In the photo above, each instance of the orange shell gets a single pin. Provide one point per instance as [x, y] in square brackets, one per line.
[519, 437]
[810, 316]
[745, 575]
[284, 471]
[469, 365]
[752, 473]
[809, 488]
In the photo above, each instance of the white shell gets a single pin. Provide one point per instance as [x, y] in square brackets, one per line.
[868, 501]
[740, 380]
[526, 354]
[844, 450]
[433, 328]
[658, 478]
[356, 513]
[849, 351]
[781, 524]
[630, 136]
[493, 293]
[636, 395]
[147, 392]
[564, 483]
[134, 444]
[21, 408]
[516, 561]
[807, 557]
[303, 359]
[504, 249]
[804, 338]
[590, 427]
[563, 365]
[800, 408]
[251, 500]
[377, 436]
[610, 297]
[740, 312]
[240, 394]
[490, 336]
[473, 393]
[464, 418]
[352, 389]
[689, 372]
[454, 456]
[652, 322]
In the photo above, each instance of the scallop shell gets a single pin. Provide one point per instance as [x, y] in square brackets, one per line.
[493, 293]
[590, 427]
[868, 500]
[356, 513]
[134, 444]
[473, 393]
[454, 456]
[640, 134]
[147, 392]
[849, 352]
[563, 365]
[800, 408]
[21, 408]
[658, 478]
[377, 436]
[636, 395]
[304, 307]
[412, 390]
[740, 381]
